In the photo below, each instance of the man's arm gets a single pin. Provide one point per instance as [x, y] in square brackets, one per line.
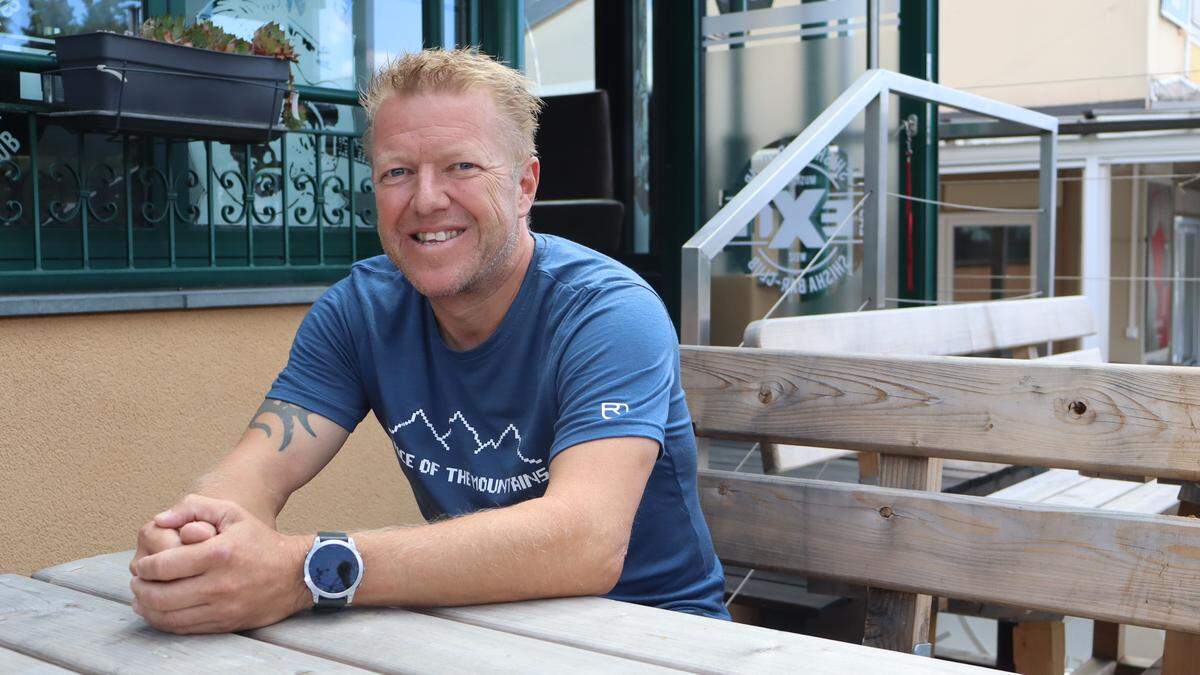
[282, 449]
[571, 541]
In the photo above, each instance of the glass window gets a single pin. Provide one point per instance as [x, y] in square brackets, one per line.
[560, 39]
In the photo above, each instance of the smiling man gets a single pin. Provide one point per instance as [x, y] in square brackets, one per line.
[530, 387]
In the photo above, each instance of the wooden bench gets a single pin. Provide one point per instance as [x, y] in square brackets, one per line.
[1127, 420]
[1019, 328]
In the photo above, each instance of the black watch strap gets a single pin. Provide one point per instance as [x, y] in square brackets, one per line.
[324, 603]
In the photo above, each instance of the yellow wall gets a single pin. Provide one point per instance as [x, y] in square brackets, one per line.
[988, 44]
[106, 418]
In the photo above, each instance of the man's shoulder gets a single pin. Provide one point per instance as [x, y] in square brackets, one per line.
[375, 278]
[576, 272]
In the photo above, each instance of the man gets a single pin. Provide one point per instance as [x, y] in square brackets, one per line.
[530, 387]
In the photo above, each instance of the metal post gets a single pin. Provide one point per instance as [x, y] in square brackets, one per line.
[696, 306]
[433, 24]
[875, 179]
[872, 34]
[1047, 184]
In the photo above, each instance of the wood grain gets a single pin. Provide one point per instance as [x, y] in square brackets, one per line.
[690, 642]
[1124, 419]
[945, 330]
[90, 634]
[14, 662]
[1112, 566]
[896, 620]
[599, 627]
[384, 640]
[1040, 648]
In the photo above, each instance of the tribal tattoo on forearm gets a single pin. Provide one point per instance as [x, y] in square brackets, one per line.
[288, 415]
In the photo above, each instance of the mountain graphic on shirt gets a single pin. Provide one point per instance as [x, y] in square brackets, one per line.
[460, 437]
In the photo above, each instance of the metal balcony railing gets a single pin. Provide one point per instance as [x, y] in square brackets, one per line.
[871, 93]
[85, 211]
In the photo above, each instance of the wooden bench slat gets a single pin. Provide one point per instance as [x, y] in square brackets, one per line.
[90, 634]
[417, 642]
[1152, 497]
[1133, 420]
[1041, 486]
[1092, 493]
[942, 330]
[1092, 355]
[15, 662]
[1112, 566]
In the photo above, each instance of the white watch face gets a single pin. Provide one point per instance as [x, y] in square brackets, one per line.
[333, 568]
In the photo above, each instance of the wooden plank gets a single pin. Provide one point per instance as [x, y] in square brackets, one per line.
[1111, 566]
[90, 634]
[689, 642]
[1040, 648]
[1151, 497]
[600, 626]
[1041, 486]
[966, 328]
[896, 620]
[1117, 418]
[782, 458]
[1092, 355]
[1181, 649]
[15, 662]
[385, 640]
[1092, 493]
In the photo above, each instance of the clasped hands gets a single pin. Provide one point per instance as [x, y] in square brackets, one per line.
[209, 566]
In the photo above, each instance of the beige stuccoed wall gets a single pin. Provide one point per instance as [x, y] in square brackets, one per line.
[106, 418]
[985, 44]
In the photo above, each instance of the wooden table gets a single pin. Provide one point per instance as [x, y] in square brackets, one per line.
[77, 616]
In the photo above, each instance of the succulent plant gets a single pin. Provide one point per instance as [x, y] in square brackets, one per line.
[268, 40]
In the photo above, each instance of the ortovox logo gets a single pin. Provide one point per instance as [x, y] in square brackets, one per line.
[611, 410]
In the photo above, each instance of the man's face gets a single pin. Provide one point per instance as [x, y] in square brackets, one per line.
[450, 197]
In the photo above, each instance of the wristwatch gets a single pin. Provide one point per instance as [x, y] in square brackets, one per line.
[333, 569]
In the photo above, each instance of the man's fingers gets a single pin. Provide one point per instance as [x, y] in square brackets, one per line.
[151, 540]
[196, 532]
[199, 619]
[168, 596]
[195, 507]
[181, 562]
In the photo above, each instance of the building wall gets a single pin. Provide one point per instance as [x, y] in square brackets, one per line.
[108, 418]
[988, 44]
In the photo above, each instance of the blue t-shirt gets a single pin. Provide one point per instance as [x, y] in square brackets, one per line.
[586, 351]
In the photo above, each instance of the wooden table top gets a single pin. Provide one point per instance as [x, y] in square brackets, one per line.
[76, 616]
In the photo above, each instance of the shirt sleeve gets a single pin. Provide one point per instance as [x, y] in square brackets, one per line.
[322, 374]
[618, 367]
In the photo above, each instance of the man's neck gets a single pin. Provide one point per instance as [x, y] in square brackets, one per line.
[466, 321]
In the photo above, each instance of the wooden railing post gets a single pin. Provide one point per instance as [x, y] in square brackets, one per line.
[901, 621]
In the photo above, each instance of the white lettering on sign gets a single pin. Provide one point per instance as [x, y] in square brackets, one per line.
[9, 145]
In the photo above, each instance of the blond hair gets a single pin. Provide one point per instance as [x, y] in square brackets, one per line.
[459, 71]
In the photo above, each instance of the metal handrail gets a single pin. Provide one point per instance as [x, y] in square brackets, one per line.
[870, 92]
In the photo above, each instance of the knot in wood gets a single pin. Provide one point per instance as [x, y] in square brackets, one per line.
[1077, 407]
[722, 489]
[885, 511]
[765, 395]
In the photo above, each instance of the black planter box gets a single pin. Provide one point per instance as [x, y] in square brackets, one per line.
[122, 83]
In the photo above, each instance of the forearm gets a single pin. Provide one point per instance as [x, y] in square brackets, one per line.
[236, 480]
[540, 548]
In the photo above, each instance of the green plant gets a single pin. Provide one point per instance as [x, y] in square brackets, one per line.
[268, 40]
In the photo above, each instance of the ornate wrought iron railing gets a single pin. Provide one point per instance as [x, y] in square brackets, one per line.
[82, 211]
